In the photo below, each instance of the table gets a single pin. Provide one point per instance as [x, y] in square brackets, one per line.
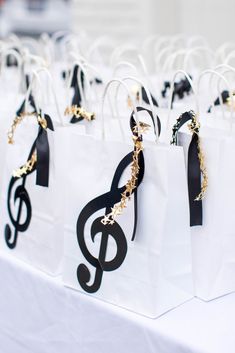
[39, 315]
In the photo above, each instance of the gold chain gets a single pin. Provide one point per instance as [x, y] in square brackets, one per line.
[27, 167]
[231, 101]
[194, 127]
[118, 208]
[79, 112]
[18, 119]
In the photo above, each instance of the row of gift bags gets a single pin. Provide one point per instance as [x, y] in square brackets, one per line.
[67, 208]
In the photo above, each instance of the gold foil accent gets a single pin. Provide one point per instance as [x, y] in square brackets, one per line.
[18, 119]
[27, 167]
[231, 101]
[194, 127]
[135, 90]
[79, 112]
[143, 127]
[118, 208]
[42, 122]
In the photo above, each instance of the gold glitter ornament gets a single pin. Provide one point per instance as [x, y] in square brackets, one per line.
[79, 112]
[130, 186]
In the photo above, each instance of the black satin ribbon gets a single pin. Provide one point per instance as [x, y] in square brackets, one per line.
[225, 96]
[43, 154]
[77, 97]
[194, 173]
[41, 145]
[180, 89]
[145, 97]
[140, 109]
[23, 106]
[141, 163]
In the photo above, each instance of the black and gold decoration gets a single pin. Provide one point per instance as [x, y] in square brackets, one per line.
[196, 166]
[137, 90]
[76, 110]
[226, 99]
[181, 89]
[38, 160]
[79, 113]
[114, 202]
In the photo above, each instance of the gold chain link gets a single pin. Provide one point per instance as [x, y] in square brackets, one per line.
[79, 112]
[118, 208]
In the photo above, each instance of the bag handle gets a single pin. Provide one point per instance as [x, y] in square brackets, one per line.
[152, 109]
[194, 51]
[105, 93]
[81, 68]
[193, 39]
[124, 63]
[220, 77]
[18, 58]
[103, 41]
[159, 57]
[14, 53]
[221, 51]
[37, 77]
[172, 92]
[170, 61]
[29, 42]
[120, 50]
[229, 57]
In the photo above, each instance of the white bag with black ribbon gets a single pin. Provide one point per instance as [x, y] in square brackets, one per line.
[31, 226]
[127, 238]
[209, 153]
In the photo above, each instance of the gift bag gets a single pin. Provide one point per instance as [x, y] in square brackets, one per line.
[127, 237]
[212, 216]
[31, 227]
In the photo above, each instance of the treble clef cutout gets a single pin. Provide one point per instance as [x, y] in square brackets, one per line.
[21, 197]
[107, 201]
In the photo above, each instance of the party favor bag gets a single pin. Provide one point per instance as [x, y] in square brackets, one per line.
[212, 216]
[127, 237]
[31, 227]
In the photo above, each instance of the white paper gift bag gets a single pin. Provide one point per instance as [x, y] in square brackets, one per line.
[151, 273]
[213, 242]
[31, 227]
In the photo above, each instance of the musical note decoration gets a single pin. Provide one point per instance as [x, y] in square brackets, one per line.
[114, 202]
[38, 160]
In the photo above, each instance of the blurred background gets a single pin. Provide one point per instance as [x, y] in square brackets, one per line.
[124, 19]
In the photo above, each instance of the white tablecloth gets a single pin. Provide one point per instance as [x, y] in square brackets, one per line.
[39, 315]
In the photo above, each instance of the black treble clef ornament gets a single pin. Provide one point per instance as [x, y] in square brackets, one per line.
[20, 195]
[111, 229]
[38, 160]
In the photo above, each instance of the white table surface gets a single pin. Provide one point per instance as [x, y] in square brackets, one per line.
[39, 315]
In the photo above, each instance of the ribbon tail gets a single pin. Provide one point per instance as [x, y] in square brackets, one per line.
[43, 157]
[194, 183]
